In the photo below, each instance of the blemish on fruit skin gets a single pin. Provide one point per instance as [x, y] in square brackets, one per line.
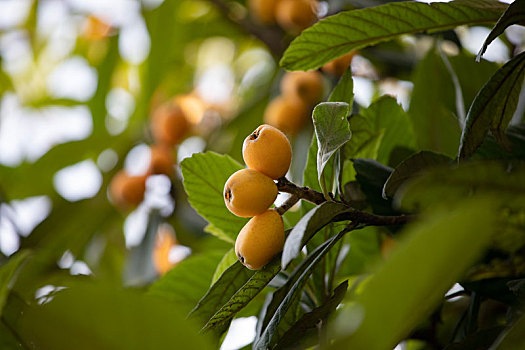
[228, 195]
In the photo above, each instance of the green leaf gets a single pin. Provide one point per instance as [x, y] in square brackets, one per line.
[87, 316]
[446, 185]
[310, 178]
[187, 281]
[389, 119]
[332, 131]
[310, 223]
[204, 177]
[372, 176]
[493, 107]
[310, 320]
[364, 250]
[433, 107]
[227, 260]
[344, 90]
[245, 294]
[490, 149]
[310, 263]
[364, 143]
[405, 290]
[219, 233]
[365, 139]
[411, 167]
[231, 280]
[339, 34]
[515, 13]
[7, 274]
[471, 76]
[280, 294]
[8, 340]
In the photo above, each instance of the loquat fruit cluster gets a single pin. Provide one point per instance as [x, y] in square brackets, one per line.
[300, 92]
[251, 191]
[169, 125]
[290, 111]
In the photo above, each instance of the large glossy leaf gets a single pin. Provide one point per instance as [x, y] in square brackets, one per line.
[515, 13]
[245, 294]
[231, 280]
[227, 260]
[349, 30]
[88, 316]
[471, 76]
[309, 264]
[433, 107]
[388, 118]
[490, 149]
[405, 290]
[363, 251]
[410, 167]
[280, 294]
[493, 107]
[7, 273]
[364, 143]
[310, 223]
[204, 177]
[187, 282]
[332, 131]
[310, 321]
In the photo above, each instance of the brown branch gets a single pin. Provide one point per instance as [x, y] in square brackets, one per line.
[272, 37]
[306, 193]
[290, 202]
[374, 220]
[354, 215]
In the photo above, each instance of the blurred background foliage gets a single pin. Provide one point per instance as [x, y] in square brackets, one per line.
[79, 82]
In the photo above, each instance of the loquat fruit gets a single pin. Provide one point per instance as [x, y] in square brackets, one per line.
[248, 192]
[338, 66]
[127, 191]
[263, 10]
[260, 239]
[164, 241]
[267, 150]
[169, 124]
[307, 86]
[161, 161]
[296, 15]
[286, 114]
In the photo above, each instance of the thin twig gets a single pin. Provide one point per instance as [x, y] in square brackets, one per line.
[272, 37]
[354, 215]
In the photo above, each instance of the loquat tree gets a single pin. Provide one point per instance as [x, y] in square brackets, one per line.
[326, 174]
